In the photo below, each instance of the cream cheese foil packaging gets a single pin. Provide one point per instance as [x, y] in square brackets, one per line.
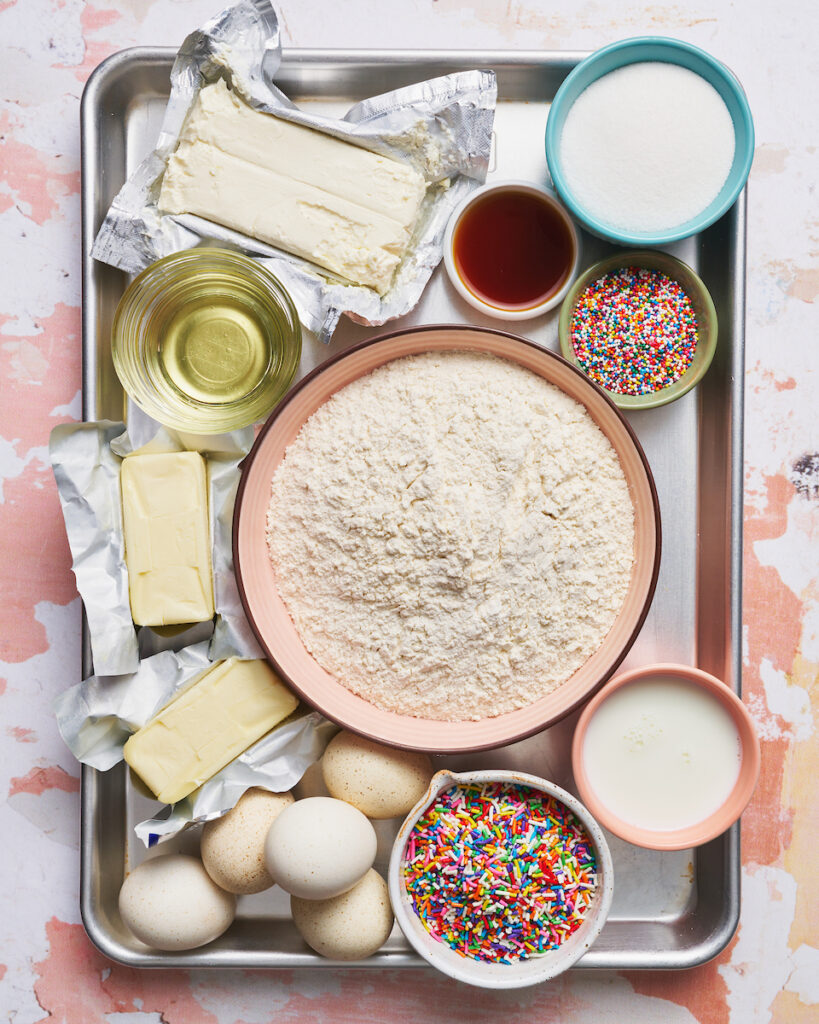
[441, 128]
[96, 718]
[86, 459]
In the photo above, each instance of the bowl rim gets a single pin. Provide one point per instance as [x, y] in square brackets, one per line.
[503, 312]
[453, 745]
[552, 142]
[428, 947]
[706, 347]
[715, 823]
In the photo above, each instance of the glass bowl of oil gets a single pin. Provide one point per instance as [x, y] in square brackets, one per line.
[206, 341]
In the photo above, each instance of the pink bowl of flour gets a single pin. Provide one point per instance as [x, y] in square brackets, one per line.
[269, 616]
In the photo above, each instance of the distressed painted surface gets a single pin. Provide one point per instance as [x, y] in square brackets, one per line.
[48, 969]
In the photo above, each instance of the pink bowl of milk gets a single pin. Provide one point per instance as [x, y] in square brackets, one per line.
[666, 757]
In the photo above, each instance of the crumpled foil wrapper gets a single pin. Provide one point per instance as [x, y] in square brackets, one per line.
[96, 717]
[86, 458]
[443, 127]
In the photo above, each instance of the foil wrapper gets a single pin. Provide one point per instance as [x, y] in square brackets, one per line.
[96, 717]
[443, 127]
[86, 458]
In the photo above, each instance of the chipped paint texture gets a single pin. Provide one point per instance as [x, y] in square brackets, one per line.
[49, 972]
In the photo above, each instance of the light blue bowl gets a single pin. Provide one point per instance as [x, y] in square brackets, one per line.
[671, 51]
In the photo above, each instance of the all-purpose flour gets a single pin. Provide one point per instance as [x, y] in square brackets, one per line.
[452, 536]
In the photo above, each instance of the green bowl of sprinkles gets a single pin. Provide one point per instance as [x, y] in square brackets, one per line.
[642, 326]
[500, 879]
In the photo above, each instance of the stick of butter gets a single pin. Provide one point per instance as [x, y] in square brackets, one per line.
[226, 710]
[167, 538]
[333, 203]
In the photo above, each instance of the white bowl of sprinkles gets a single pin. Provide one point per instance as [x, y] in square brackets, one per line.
[500, 879]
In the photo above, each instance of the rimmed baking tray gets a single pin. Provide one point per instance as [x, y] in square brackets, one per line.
[671, 910]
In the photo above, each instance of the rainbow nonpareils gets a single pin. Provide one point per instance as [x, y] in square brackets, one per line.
[634, 331]
[499, 872]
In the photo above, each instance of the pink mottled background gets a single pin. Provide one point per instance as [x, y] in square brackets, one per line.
[48, 969]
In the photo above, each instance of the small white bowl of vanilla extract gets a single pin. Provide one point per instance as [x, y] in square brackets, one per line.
[511, 250]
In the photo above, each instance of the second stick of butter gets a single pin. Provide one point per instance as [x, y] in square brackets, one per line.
[167, 538]
[229, 707]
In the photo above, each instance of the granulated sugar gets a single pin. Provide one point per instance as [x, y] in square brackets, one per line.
[647, 147]
[452, 536]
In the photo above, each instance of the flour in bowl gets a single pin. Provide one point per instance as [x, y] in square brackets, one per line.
[452, 536]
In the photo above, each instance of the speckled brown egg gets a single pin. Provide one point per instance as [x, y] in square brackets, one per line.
[233, 845]
[380, 781]
[171, 902]
[347, 927]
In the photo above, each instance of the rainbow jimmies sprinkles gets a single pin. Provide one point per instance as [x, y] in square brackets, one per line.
[499, 872]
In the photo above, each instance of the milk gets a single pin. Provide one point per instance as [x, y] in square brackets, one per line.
[662, 754]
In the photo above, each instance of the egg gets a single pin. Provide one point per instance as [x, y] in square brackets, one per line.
[171, 902]
[351, 926]
[233, 845]
[380, 781]
[319, 847]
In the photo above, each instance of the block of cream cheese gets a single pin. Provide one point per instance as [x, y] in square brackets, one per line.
[337, 205]
[167, 538]
[218, 717]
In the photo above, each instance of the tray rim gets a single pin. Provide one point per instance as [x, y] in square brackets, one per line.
[645, 959]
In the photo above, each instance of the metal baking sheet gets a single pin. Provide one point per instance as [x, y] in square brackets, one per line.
[671, 910]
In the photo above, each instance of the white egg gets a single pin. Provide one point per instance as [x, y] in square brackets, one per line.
[351, 926]
[171, 902]
[380, 781]
[233, 846]
[319, 847]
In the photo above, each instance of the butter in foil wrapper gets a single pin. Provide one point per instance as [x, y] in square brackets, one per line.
[441, 127]
[96, 718]
[86, 459]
